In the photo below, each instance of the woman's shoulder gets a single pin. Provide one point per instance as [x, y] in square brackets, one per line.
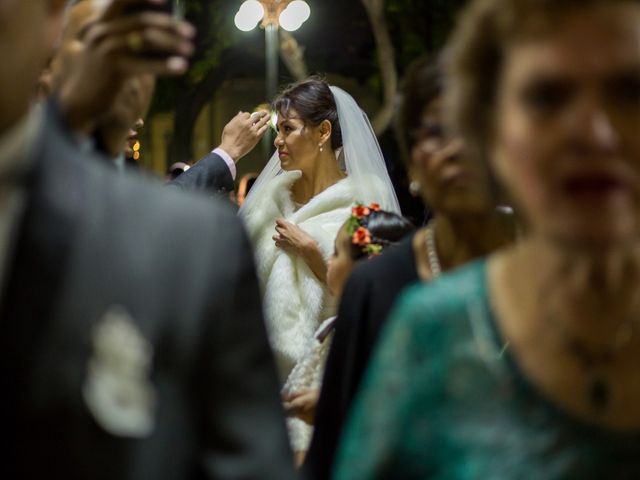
[445, 300]
[342, 191]
[378, 281]
[271, 201]
[396, 260]
[431, 326]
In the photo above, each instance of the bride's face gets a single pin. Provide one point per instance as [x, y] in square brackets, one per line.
[297, 142]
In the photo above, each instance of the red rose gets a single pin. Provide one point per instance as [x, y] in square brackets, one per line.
[359, 211]
[361, 237]
[375, 207]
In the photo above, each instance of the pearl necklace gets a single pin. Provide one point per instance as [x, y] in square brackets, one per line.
[432, 253]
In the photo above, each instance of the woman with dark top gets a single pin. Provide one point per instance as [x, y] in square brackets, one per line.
[525, 365]
[367, 233]
[466, 225]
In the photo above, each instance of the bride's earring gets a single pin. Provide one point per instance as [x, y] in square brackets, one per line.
[321, 147]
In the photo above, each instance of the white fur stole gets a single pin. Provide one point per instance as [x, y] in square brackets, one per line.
[295, 300]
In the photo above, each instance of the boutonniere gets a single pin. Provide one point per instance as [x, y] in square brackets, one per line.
[117, 389]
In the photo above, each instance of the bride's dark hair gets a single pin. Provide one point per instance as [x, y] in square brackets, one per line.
[313, 102]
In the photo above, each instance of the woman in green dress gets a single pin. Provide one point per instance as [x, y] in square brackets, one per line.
[526, 365]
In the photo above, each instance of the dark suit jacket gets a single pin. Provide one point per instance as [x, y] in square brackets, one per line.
[210, 175]
[181, 267]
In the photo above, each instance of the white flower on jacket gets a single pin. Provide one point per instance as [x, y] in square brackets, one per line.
[117, 390]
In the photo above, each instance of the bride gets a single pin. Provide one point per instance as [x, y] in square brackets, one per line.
[327, 159]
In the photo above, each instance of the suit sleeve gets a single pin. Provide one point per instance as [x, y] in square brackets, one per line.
[210, 175]
[245, 435]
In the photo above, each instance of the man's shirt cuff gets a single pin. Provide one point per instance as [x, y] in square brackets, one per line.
[228, 160]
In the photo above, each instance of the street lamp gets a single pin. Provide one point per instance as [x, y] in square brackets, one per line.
[250, 13]
[294, 15]
[287, 14]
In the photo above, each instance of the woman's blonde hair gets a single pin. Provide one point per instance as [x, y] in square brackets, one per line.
[477, 52]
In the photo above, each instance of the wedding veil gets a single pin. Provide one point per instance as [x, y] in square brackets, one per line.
[363, 159]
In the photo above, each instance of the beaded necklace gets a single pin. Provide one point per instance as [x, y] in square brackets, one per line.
[432, 253]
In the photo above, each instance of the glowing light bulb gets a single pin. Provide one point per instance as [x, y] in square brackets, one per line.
[296, 13]
[301, 9]
[250, 13]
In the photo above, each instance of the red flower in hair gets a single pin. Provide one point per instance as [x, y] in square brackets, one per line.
[361, 237]
[360, 211]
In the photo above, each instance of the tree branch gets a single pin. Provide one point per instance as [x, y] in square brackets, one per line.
[292, 55]
[387, 64]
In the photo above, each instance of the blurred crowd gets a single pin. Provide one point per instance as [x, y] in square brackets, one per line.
[298, 325]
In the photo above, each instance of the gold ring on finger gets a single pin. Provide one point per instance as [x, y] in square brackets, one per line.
[134, 41]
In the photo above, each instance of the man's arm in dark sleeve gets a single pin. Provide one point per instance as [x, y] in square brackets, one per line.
[210, 175]
[215, 173]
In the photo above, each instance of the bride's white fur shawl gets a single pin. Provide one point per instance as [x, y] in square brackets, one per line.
[296, 302]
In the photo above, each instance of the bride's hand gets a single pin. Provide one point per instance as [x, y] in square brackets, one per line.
[302, 404]
[293, 239]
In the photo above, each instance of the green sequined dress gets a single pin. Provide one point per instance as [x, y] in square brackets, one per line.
[443, 399]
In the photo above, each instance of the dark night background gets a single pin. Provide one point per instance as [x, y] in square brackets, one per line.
[337, 40]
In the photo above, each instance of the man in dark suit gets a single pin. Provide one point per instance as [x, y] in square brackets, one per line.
[132, 341]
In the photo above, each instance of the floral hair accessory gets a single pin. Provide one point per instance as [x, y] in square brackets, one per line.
[361, 237]
[361, 211]
[357, 230]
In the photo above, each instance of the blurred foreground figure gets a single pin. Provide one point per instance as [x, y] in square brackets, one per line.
[107, 373]
[525, 365]
[114, 130]
[465, 225]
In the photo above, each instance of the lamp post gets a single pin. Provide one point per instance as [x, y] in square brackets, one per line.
[288, 14]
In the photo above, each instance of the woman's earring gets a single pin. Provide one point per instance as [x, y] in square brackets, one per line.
[321, 147]
[414, 188]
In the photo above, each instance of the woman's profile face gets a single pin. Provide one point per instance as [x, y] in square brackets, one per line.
[567, 129]
[340, 263]
[297, 142]
[450, 183]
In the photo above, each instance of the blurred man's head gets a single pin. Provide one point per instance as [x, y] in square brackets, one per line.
[28, 31]
[132, 102]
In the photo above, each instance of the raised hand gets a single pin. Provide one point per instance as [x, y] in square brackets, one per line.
[128, 38]
[243, 133]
